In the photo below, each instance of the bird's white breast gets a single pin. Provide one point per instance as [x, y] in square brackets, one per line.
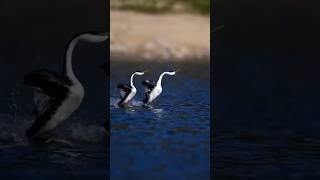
[68, 106]
[131, 95]
[154, 93]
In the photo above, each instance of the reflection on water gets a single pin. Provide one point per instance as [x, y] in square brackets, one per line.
[168, 139]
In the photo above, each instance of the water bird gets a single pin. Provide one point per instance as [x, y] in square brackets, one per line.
[154, 89]
[57, 96]
[128, 91]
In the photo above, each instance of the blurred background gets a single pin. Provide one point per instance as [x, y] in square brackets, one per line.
[160, 30]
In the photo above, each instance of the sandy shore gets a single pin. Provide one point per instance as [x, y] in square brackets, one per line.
[140, 36]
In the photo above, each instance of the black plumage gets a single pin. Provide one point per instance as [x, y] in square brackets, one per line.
[52, 89]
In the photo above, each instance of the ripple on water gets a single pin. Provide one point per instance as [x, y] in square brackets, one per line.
[170, 138]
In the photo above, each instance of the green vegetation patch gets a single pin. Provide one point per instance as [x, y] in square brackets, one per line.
[161, 6]
[202, 6]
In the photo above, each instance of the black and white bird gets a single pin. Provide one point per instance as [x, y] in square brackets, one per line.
[128, 91]
[57, 96]
[154, 89]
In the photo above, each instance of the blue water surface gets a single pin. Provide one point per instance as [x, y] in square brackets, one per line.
[169, 139]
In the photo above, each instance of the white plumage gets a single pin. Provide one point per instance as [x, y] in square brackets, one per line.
[154, 89]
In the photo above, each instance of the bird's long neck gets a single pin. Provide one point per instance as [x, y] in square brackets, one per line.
[67, 69]
[160, 79]
[131, 81]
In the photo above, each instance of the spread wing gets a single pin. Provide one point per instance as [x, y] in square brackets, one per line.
[41, 101]
[49, 87]
[124, 89]
[150, 85]
[49, 82]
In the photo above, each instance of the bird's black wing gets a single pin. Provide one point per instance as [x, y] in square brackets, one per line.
[49, 82]
[42, 102]
[124, 88]
[50, 88]
[150, 85]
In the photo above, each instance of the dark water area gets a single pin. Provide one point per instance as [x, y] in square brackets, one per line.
[266, 90]
[266, 117]
[171, 138]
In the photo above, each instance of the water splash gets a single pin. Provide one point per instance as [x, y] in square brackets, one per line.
[133, 103]
[12, 131]
[114, 102]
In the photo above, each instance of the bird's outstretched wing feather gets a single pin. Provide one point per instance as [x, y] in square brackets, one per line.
[41, 101]
[49, 86]
[124, 88]
[150, 85]
[49, 82]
